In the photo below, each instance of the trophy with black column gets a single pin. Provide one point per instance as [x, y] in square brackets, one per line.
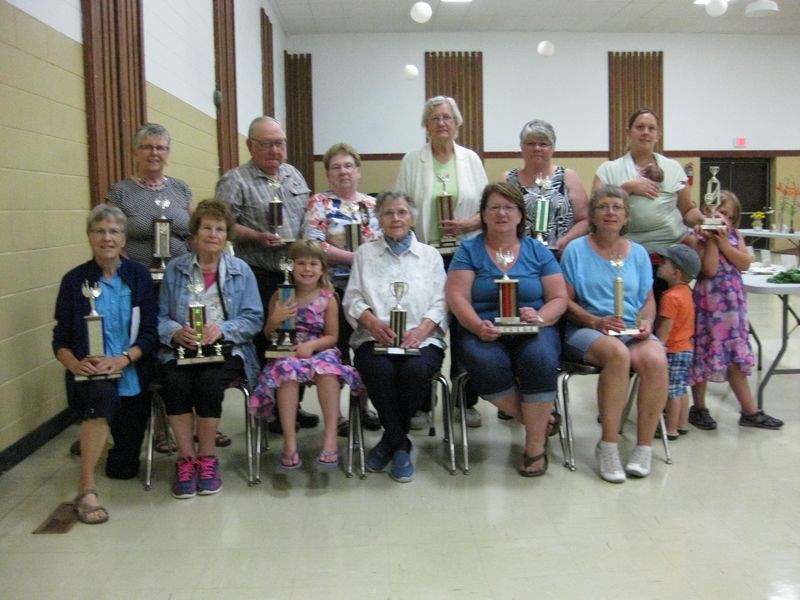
[282, 340]
[618, 261]
[94, 332]
[276, 222]
[711, 201]
[398, 318]
[197, 321]
[509, 322]
[162, 231]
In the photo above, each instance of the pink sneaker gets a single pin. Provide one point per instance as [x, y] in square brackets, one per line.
[208, 482]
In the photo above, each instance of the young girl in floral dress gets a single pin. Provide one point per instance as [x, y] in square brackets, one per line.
[722, 349]
[316, 359]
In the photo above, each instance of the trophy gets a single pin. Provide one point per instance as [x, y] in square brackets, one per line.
[509, 323]
[618, 261]
[447, 244]
[197, 320]
[711, 201]
[94, 331]
[397, 321]
[276, 224]
[541, 210]
[282, 341]
[161, 237]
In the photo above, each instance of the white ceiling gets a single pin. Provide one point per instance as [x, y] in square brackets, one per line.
[299, 17]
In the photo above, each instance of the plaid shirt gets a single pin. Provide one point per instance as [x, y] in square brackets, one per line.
[248, 191]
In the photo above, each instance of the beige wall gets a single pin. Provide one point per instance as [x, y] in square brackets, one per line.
[44, 178]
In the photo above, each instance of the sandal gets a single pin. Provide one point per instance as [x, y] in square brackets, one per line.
[290, 462]
[343, 428]
[163, 445]
[527, 461]
[328, 458]
[222, 440]
[84, 510]
[554, 426]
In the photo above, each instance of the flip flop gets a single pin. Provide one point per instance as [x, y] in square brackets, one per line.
[294, 460]
[554, 425]
[222, 440]
[527, 461]
[83, 510]
[328, 454]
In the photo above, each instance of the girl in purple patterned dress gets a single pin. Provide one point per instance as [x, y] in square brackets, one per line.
[316, 359]
[722, 349]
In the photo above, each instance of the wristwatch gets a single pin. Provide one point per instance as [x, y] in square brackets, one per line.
[128, 356]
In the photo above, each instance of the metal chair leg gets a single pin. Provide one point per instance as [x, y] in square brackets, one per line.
[148, 472]
[665, 440]
[459, 389]
[566, 422]
[447, 417]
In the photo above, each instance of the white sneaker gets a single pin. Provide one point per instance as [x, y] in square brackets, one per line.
[473, 417]
[639, 461]
[609, 463]
[419, 420]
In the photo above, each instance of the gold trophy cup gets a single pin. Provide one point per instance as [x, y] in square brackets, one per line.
[276, 224]
[161, 236]
[508, 322]
[397, 321]
[447, 244]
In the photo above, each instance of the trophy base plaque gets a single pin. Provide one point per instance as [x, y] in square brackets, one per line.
[98, 377]
[157, 274]
[446, 247]
[279, 352]
[396, 351]
[628, 331]
[514, 326]
[207, 355]
[711, 223]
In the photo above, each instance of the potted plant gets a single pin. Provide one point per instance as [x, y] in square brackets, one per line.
[758, 220]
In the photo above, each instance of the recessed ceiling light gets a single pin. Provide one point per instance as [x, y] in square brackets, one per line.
[761, 8]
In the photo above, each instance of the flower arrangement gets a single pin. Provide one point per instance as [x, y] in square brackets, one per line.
[758, 215]
[790, 197]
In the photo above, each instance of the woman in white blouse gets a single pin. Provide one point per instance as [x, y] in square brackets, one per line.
[397, 384]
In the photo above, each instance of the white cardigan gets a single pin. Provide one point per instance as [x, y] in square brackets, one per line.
[416, 179]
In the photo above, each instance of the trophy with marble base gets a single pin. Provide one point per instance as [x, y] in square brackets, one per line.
[397, 321]
[711, 201]
[282, 341]
[541, 211]
[162, 230]
[509, 322]
[94, 332]
[619, 296]
[352, 236]
[276, 224]
[447, 244]
[197, 320]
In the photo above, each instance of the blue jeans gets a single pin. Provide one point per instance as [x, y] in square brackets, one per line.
[397, 386]
[524, 363]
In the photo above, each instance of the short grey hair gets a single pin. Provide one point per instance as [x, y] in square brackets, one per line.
[150, 130]
[106, 212]
[258, 120]
[537, 128]
[432, 103]
[609, 191]
[392, 195]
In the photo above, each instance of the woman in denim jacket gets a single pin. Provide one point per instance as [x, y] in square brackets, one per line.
[233, 315]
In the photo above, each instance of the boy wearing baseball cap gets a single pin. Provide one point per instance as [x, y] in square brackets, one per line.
[675, 328]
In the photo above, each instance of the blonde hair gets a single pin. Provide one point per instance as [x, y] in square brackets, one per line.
[728, 197]
[313, 249]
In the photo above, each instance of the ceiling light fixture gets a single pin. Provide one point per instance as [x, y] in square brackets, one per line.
[716, 8]
[455, 1]
[761, 8]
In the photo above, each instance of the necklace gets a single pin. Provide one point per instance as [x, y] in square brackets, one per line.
[158, 185]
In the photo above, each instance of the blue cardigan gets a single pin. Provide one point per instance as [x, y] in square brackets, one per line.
[72, 306]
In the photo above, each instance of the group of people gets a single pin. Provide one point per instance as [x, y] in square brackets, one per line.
[639, 223]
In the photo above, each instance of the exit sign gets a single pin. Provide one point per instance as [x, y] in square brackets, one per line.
[740, 142]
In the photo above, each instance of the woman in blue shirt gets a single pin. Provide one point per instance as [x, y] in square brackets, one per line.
[516, 373]
[108, 393]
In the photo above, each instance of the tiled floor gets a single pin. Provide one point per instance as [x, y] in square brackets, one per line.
[723, 521]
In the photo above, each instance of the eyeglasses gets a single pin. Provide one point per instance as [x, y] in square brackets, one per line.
[344, 167]
[152, 148]
[537, 144]
[610, 208]
[400, 213]
[270, 143]
[115, 233]
[496, 208]
[441, 119]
